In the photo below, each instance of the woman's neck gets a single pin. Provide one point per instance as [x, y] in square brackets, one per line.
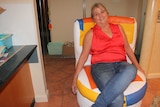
[106, 29]
[104, 25]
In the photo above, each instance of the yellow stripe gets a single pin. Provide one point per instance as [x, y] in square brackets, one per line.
[129, 31]
[125, 102]
[87, 27]
[88, 93]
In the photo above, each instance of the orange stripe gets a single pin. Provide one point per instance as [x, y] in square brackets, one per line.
[113, 19]
[87, 20]
[138, 78]
[120, 19]
[90, 78]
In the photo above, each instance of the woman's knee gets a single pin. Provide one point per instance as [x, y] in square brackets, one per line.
[133, 69]
[130, 69]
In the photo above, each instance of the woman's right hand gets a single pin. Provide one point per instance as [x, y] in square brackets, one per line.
[74, 86]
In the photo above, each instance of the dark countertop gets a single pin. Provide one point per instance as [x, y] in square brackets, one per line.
[17, 56]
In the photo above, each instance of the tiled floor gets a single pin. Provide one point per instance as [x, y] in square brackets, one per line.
[59, 73]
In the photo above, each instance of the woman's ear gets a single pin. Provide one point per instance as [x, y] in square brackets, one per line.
[107, 12]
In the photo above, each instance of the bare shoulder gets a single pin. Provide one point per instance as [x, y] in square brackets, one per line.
[88, 38]
[89, 34]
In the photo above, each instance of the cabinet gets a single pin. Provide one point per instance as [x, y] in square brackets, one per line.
[18, 92]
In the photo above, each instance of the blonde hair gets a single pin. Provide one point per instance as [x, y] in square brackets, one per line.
[97, 5]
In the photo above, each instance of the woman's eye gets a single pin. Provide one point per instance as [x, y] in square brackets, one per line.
[95, 14]
[102, 11]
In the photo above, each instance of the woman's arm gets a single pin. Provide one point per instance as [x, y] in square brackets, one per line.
[130, 52]
[82, 59]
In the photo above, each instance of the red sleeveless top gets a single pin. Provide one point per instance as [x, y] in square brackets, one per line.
[105, 48]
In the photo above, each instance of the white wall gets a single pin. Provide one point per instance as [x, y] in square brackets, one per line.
[20, 19]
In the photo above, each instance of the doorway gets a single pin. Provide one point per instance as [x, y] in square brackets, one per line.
[43, 19]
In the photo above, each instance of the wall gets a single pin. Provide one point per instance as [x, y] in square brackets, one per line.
[62, 15]
[150, 54]
[20, 19]
[14, 20]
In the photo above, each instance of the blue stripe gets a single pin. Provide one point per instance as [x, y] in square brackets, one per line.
[137, 96]
[81, 24]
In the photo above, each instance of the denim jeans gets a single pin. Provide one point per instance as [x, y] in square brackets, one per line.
[112, 79]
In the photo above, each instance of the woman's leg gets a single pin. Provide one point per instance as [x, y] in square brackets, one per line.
[116, 82]
[118, 102]
[102, 73]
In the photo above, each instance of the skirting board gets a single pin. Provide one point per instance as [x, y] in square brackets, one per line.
[153, 75]
[42, 98]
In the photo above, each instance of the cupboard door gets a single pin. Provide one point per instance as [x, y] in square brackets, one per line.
[19, 91]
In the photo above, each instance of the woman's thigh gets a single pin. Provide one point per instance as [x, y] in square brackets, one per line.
[102, 73]
[125, 67]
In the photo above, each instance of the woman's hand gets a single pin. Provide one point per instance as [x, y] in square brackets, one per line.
[141, 70]
[74, 86]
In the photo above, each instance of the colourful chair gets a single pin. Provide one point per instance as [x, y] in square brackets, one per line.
[87, 90]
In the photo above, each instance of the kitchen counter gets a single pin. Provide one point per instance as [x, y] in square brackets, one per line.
[16, 57]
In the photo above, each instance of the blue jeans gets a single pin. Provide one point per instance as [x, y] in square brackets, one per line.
[112, 79]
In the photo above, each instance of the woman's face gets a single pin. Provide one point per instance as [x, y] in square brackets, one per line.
[100, 15]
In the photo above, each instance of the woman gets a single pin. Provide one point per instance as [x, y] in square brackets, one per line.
[108, 47]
